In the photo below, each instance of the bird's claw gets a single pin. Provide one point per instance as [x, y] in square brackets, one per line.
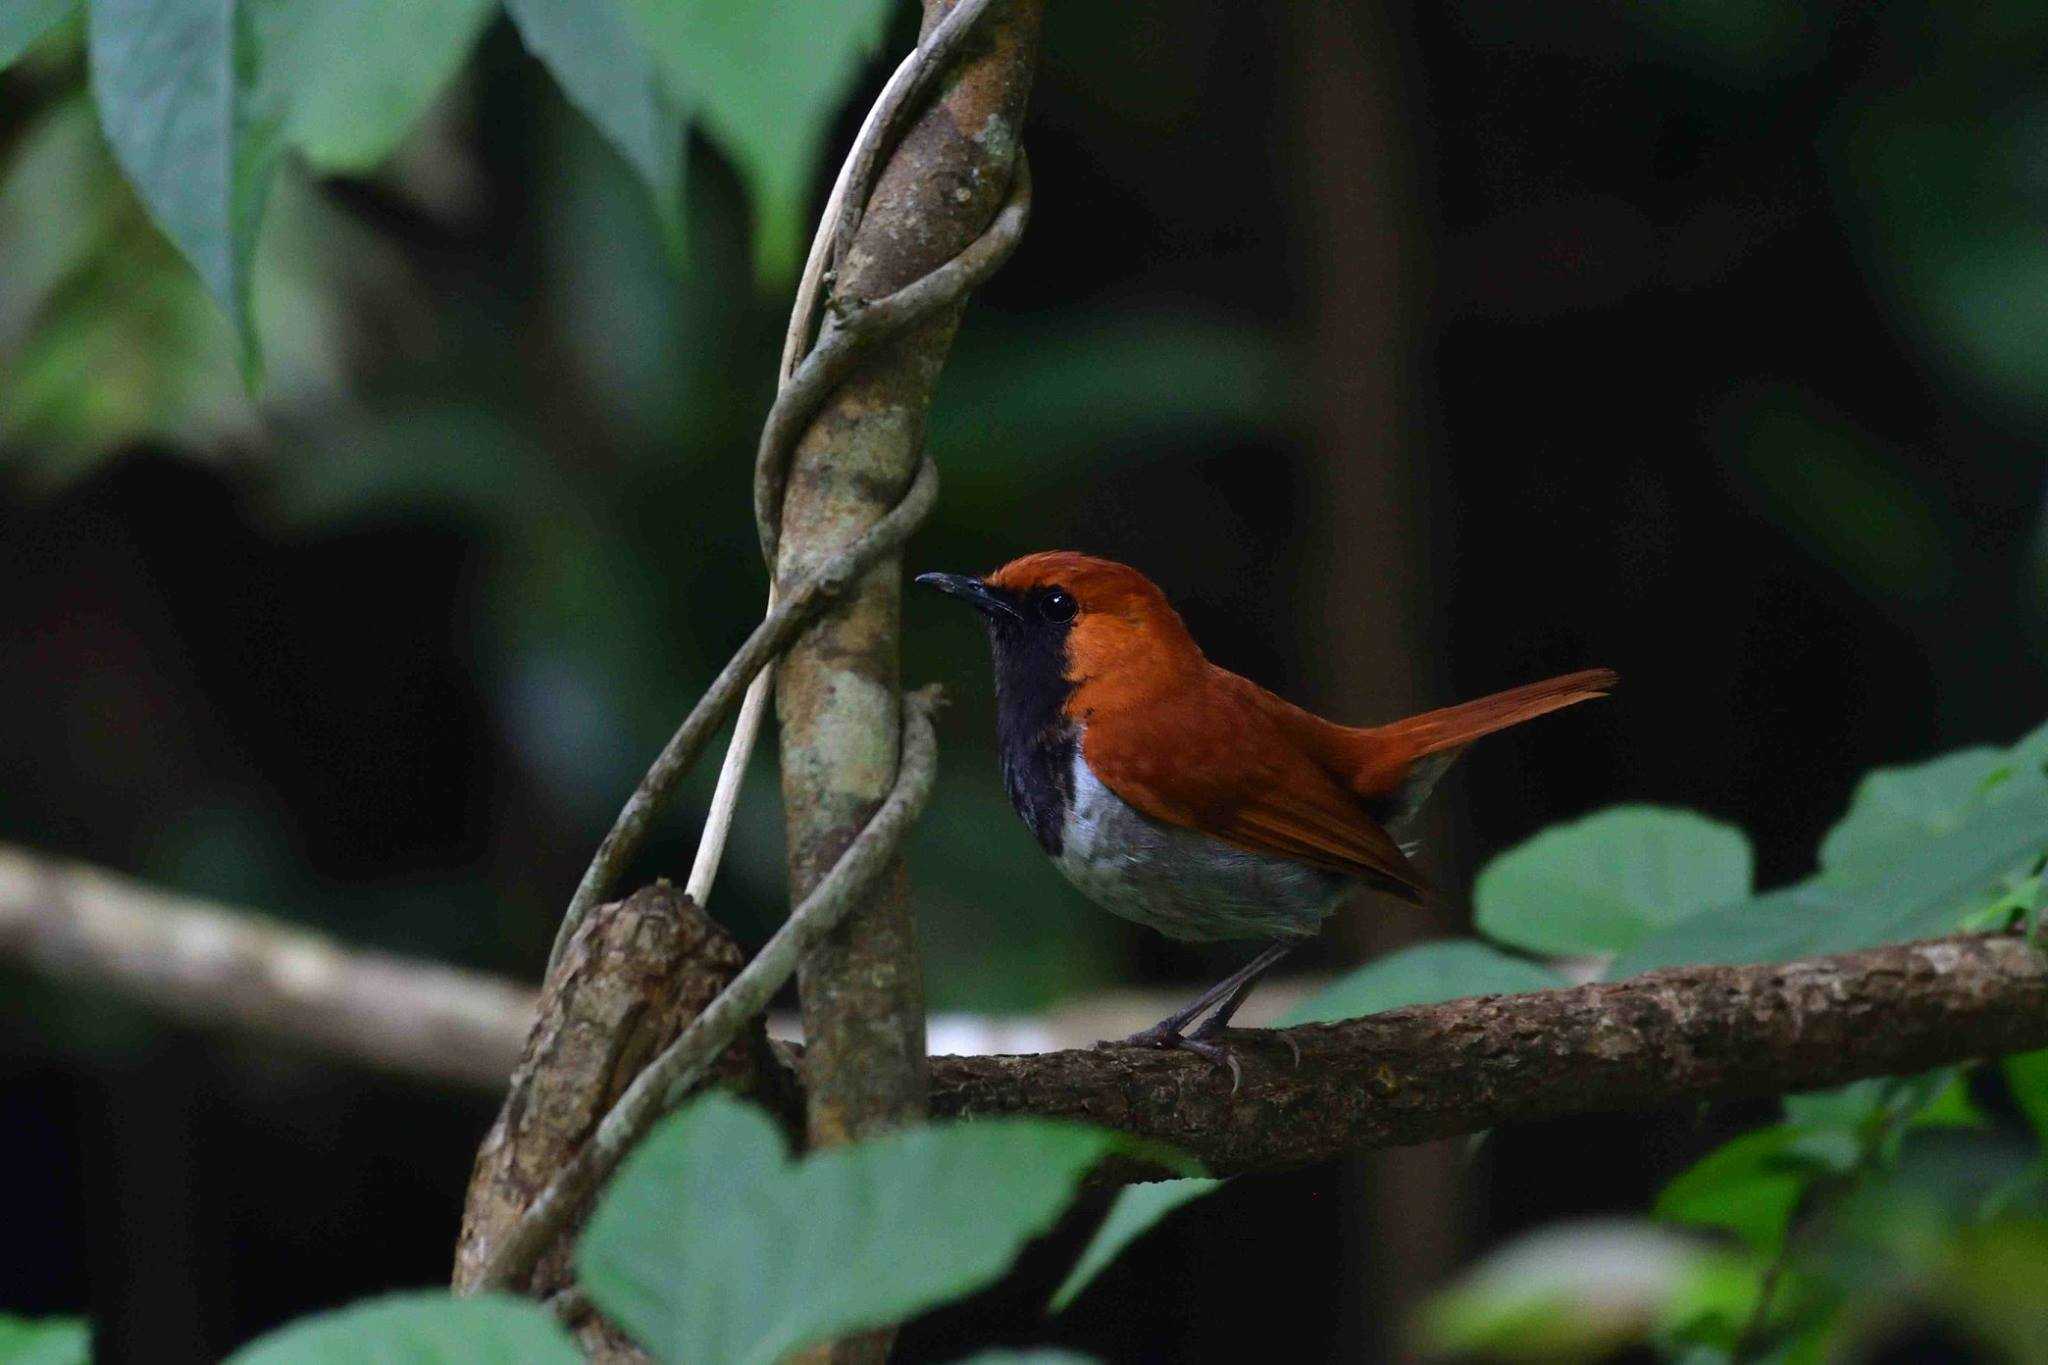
[1159, 1036]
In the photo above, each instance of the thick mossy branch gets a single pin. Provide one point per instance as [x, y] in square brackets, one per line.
[1671, 1037]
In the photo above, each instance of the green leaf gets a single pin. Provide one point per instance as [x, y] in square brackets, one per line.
[1136, 1209]
[2027, 1074]
[1950, 877]
[382, 63]
[44, 1341]
[1896, 810]
[1750, 1186]
[1602, 884]
[712, 1245]
[192, 96]
[426, 1328]
[595, 55]
[1581, 1292]
[1447, 969]
[768, 79]
[22, 22]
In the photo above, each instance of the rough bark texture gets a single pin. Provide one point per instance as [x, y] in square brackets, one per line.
[636, 972]
[217, 968]
[1410, 1075]
[836, 691]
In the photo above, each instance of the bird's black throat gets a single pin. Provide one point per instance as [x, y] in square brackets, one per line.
[1036, 737]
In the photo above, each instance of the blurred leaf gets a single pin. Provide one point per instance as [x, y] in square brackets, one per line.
[1951, 1106]
[1034, 1355]
[2027, 1074]
[1991, 1283]
[1939, 180]
[22, 22]
[1746, 39]
[52, 203]
[1856, 505]
[1580, 1292]
[1748, 1186]
[381, 63]
[112, 339]
[1601, 884]
[44, 1341]
[1424, 974]
[1895, 810]
[1043, 402]
[192, 95]
[712, 1245]
[1135, 1211]
[426, 1328]
[768, 79]
[595, 55]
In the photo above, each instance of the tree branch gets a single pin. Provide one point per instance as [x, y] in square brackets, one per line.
[1681, 1036]
[220, 968]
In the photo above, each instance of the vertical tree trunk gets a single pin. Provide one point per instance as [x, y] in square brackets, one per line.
[837, 690]
[1369, 551]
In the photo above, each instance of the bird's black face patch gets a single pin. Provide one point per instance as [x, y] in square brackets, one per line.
[1027, 632]
[1035, 737]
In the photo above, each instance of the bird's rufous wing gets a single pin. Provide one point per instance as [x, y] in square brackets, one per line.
[1211, 763]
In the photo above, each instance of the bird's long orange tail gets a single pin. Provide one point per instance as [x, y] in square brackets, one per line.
[1390, 752]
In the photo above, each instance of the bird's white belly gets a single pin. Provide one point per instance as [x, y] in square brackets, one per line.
[1184, 884]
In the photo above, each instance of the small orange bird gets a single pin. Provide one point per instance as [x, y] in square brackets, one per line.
[1177, 794]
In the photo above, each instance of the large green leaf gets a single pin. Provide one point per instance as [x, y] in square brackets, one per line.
[1919, 853]
[1447, 969]
[1895, 810]
[22, 22]
[1926, 895]
[428, 1328]
[768, 79]
[1136, 1209]
[44, 1341]
[382, 62]
[1602, 884]
[712, 1245]
[597, 58]
[193, 96]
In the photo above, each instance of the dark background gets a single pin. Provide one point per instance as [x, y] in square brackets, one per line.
[1417, 352]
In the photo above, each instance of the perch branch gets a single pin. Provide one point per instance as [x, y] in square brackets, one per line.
[1674, 1037]
[1680, 1036]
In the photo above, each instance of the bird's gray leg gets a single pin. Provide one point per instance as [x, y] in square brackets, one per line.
[1231, 992]
[1255, 969]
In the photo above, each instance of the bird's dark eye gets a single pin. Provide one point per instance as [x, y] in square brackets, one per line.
[1058, 607]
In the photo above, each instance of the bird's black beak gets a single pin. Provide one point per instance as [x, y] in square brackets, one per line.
[971, 590]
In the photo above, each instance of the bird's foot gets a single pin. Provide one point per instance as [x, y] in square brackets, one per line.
[1199, 1042]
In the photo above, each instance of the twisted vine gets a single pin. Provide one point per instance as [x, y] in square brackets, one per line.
[810, 373]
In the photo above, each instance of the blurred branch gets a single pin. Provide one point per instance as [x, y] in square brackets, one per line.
[1681, 1036]
[215, 967]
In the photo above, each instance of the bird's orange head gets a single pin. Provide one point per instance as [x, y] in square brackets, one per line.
[1093, 621]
